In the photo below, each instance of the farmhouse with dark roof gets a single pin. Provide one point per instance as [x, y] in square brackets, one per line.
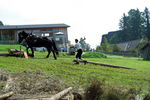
[8, 33]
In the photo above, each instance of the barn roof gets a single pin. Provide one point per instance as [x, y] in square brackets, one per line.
[126, 46]
[33, 26]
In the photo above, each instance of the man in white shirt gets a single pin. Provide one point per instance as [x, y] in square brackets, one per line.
[78, 49]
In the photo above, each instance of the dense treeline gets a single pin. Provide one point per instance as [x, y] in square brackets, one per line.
[134, 25]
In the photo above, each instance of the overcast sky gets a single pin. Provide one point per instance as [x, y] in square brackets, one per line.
[87, 18]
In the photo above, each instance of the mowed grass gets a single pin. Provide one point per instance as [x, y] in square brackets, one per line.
[79, 75]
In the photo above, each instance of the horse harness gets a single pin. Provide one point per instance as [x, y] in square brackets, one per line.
[24, 41]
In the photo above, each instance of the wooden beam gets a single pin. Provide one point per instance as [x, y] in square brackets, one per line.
[102, 64]
[60, 94]
[5, 96]
[4, 54]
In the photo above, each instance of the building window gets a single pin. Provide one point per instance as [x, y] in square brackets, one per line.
[46, 34]
[58, 39]
[6, 37]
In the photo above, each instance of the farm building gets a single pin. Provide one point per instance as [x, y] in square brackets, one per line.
[129, 45]
[58, 32]
[146, 51]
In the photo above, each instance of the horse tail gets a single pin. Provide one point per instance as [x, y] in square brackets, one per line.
[54, 46]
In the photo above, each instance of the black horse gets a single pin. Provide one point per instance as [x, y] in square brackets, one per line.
[30, 41]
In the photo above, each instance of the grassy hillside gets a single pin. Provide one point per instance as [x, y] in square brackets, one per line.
[78, 75]
[65, 69]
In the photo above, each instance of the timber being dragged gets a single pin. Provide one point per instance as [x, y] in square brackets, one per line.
[4, 54]
[15, 53]
[102, 64]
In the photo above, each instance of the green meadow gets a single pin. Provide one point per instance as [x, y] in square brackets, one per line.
[79, 75]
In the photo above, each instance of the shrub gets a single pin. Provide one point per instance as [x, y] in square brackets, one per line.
[93, 55]
[112, 96]
[98, 90]
[95, 90]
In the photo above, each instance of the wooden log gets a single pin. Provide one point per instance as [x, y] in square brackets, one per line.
[60, 94]
[8, 54]
[14, 51]
[102, 64]
[25, 55]
[4, 54]
[5, 96]
[77, 61]
[109, 65]
[54, 97]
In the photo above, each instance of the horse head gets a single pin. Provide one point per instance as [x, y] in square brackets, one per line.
[21, 36]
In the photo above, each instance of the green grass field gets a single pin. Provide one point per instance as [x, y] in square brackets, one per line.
[5, 48]
[79, 75]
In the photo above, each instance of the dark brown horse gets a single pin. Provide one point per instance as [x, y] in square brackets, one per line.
[30, 41]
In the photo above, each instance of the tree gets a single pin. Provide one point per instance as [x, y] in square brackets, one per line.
[123, 25]
[98, 48]
[85, 46]
[146, 49]
[116, 48]
[105, 46]
[83, 43]
[147, 24]
[125, 28]
[131, 25]
[136, 23]
[1, 23]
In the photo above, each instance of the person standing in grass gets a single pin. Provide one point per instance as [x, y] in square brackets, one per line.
[78, 49]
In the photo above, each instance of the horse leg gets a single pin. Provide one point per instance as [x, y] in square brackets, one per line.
[49, 51]
[32, 51]
[27, 50]
[54, 55]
